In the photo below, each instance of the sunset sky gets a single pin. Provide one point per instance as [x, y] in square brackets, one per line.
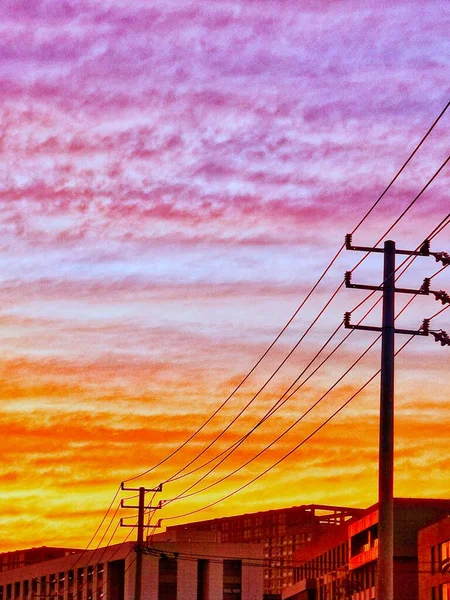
[175, 177]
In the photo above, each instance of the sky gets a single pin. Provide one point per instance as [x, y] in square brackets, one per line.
[175, 177]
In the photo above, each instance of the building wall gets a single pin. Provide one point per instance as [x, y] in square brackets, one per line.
[29, 556]
[109, 574]
[434, 566]
[357, 574]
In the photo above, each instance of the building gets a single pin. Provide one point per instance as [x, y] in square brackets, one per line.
[281, 532]
[434, 561]
[170, 571]
[22, 558]
[342, 563]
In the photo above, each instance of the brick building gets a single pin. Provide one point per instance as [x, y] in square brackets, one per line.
[342, 563]
[30, 556]
[172, 571]
[434, 561]
[281, 532]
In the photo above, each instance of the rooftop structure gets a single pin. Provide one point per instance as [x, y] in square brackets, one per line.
[30, 556]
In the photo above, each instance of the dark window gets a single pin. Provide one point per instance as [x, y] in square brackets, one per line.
[167, 585]
[202, 579]
[232, 580]
[116, 579]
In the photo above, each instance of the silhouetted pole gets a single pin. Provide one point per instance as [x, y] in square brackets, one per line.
[139, 549]
[385, 583]
[139, 544]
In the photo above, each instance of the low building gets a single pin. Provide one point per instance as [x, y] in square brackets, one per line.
[434, 561]
[343, 563]
[281, 532]
[30, 556]
[170, 571]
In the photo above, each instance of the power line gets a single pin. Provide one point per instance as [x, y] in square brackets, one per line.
[286, 431]
[321, 426]
[286, 395]
[315, 431]
[296, 345]
[234, 446]
[258, 362]
[289, 321]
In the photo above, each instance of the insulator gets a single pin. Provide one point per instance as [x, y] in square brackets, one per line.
[425, 248]
[347, 317]
[348, 241]
[425, 327]
[442, 337]
[425, 287]
[348, 278]
[442, 257]
[442, 296]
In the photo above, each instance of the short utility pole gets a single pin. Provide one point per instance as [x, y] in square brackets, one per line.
[140, 530]
[385, 575]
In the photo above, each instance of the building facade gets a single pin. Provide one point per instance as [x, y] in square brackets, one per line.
[434, 561]
[342, 563]
[281, 532]
[170, 571]
[30, 556]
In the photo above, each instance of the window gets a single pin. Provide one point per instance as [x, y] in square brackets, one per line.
[232, 579]
[167, 585]
[444, 592]
[202, 579]
[444, 556]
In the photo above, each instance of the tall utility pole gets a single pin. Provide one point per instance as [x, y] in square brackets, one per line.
[386, 442]
[140, 530]
[385, 576]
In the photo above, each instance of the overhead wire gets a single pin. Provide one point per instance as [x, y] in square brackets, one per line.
[290, 320]
[286, 325]
[285, 456]
[297, 421]
[286, 396]
[296, 345]
[433, 233]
